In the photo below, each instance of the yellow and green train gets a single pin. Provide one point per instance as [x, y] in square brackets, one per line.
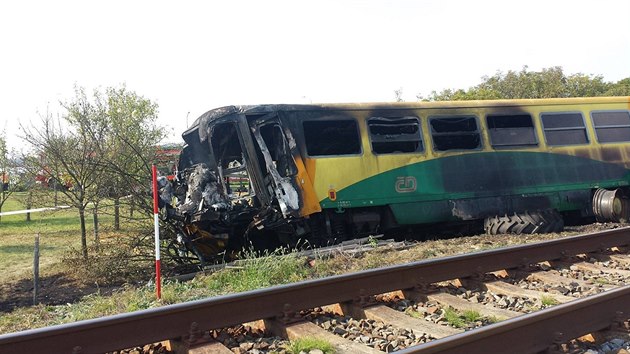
[332, 171]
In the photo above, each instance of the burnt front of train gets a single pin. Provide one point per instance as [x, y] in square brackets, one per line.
[236, 187]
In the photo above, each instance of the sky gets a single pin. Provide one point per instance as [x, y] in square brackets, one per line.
[192, 56]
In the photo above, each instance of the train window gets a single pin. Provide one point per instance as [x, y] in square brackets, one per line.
[511, 130]
[455, 133]
[395, 135]
[331, 137]
[612, 126]
[564, 128]
[229, 156]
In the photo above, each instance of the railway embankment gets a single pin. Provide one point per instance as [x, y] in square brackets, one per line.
[423, 301]
[64, 302]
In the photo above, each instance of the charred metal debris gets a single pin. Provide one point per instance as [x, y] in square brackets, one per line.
[236, 186]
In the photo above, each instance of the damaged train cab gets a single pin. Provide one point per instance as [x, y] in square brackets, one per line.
[271, 175]
[241, 182]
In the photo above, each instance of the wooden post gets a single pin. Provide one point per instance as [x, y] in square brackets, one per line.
[97, 241]
[3, 195]
[117, 213]
[29, 204]
[36, 269]
[55, 187]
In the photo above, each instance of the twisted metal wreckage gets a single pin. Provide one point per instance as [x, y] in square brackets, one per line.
[236, 186]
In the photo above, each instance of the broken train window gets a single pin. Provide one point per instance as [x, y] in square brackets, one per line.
[395, 135]
[331, 137]
[455, 133]
[230, 160]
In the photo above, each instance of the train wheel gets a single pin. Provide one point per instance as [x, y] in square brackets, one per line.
[536, 222]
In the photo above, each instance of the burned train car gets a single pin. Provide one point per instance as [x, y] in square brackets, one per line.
[276, 174]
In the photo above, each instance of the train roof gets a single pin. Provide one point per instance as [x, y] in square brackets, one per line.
[218, 113]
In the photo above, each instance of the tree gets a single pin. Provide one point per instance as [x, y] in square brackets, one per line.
[103, 147]
[5, 167]
[620, 88]
[547, 83]
[65, 155]
[129, 149]
[13, 176]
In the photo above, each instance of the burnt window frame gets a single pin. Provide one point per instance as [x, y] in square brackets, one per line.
[238, 141]
[583, 128]
[241, 171]
[330, 119]
[535, 144]
[432, 133]
[419, 150]
[595, 127]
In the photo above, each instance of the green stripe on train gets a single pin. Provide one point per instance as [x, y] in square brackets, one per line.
[421, 192]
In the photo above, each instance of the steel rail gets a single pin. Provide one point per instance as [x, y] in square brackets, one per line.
[538, 331]
[169, 322]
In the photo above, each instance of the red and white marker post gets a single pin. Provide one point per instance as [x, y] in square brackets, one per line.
[156, 227]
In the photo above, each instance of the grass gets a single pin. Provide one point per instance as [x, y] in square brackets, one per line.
[601, 281]
[472, 316]
[62, 220]
[463, 319]
[307, 344]
[453, 318]
[55, 221]
[254, 274]
[58, 230]
[372, 241]
[59, 233]
[413, 313]
[547, 301]
[258, 273]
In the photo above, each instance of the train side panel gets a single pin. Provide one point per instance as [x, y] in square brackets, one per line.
[433, 186]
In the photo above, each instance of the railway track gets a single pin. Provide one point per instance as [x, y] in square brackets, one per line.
[525, 299]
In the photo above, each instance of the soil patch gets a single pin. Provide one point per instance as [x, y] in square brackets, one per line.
[56, 289]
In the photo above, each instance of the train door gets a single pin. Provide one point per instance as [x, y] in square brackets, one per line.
[284, 174]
